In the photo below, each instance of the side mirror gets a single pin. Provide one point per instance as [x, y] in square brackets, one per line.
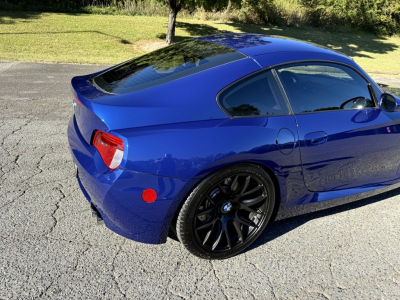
[388, 102]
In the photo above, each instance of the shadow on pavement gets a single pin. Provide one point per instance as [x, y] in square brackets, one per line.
[281, 227]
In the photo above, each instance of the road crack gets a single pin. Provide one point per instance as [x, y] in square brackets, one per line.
[53, 214]
[176, 268]
[73, 269]
[267, 276]
[214, 270]
[384, 259]
[115, 277]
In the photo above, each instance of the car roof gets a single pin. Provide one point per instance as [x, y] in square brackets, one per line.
[258, 44]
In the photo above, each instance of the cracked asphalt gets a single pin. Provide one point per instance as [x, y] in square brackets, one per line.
[51, 248]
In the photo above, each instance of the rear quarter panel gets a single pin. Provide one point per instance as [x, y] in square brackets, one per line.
[196, 149]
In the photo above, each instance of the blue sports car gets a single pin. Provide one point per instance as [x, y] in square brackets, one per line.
[210, 137]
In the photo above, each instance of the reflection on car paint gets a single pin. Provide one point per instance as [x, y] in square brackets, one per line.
[177, 133]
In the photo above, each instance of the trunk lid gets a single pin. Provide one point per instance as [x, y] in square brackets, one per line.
[86, 118]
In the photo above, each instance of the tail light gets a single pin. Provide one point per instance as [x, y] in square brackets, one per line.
[111, 148]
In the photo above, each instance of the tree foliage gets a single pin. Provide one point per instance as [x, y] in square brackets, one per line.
[377, 16]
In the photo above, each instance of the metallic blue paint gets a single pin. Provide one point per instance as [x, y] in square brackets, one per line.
[175, 135]
[165, 103]
[346, 153]
[285, 141]
[258, 44]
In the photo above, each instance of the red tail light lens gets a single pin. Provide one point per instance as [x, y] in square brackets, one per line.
[77, 100]
[111, 148]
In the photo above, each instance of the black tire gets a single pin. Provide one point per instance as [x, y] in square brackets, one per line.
[226, 212]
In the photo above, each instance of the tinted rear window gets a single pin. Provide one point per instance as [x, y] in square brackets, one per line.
[164, 65]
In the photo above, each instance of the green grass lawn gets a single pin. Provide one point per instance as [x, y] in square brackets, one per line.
[106, 39]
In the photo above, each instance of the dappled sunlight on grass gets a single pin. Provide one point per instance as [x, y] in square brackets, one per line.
[104, 39]
[370, 51]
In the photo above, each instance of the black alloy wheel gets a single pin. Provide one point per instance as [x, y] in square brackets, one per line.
[226, 212]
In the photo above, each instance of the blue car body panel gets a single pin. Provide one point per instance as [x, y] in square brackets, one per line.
[258, 44]
[118, 200]
[175, 135]
[174, 102]
[361, 149]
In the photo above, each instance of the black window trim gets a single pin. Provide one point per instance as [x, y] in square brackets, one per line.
[283, 92]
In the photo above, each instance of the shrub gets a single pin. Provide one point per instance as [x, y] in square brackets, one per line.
[376, 16]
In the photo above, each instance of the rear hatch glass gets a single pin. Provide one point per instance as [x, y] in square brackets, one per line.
[164, 65]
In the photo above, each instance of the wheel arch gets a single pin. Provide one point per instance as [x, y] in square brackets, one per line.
[171, 223]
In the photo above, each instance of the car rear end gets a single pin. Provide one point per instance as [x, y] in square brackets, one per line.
[144, 92]
[123, 199]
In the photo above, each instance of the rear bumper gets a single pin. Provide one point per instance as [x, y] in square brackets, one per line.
[117, 194]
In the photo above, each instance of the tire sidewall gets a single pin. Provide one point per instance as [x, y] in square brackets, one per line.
[185, 224]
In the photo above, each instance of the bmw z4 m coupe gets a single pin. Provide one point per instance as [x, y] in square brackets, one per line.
[209, 138]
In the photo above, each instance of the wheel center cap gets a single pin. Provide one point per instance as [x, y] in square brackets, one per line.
[226, 207]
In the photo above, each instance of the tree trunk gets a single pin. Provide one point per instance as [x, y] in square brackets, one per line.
[170, 39]
[174, 7]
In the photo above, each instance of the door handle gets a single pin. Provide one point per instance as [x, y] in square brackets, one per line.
[315, 138]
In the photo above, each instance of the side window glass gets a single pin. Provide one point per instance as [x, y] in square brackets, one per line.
[314, 87]
[256, 95]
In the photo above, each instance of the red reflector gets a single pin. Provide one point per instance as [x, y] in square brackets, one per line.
[111, 148]
[77, 101]
[149, 195]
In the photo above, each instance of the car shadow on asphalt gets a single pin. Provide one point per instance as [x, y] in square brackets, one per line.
[282, 227]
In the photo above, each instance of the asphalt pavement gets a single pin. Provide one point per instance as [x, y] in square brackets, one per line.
[51, 248]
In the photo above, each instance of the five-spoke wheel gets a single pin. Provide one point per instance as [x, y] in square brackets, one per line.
[226, 212]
